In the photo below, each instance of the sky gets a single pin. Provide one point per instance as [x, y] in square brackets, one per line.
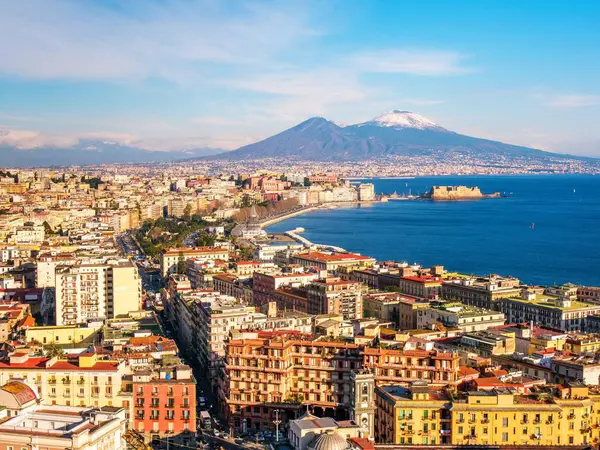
[172, 74]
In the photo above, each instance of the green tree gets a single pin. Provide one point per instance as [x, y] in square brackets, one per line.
[48, 229]
[181, 267]
[205, 239]
[187, 211]
[53, 351]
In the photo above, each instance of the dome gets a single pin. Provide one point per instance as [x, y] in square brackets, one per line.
[328, 441]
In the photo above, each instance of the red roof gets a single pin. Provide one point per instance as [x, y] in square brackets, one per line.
[27, 322]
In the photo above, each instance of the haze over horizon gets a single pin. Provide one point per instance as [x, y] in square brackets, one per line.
[171, 74]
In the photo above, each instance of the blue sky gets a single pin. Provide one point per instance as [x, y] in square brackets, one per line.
[166, 74]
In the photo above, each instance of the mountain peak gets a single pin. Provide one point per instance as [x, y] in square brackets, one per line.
[403, 119]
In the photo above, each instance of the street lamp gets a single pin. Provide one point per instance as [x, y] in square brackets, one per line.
[277, 422]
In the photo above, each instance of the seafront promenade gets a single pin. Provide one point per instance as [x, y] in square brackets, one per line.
[330, 205]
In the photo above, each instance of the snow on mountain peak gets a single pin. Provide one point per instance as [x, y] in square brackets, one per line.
[403, 119]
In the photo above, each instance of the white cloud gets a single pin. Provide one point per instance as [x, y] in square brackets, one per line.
[32, 139]
[573, 101]
[139, 39]
[28, 139]
[412, 62]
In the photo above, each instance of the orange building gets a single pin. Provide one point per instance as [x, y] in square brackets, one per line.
[268, 371]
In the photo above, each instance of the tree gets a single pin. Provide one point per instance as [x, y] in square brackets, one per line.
[205, 239]
[48, 229]
[54, 351]
[181, 267]
[187, 211]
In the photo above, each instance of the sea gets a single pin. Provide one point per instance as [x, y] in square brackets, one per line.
[545, 231]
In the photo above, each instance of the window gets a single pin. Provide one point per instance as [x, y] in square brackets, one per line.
[460, 430]
[505, 422]
[505, 437]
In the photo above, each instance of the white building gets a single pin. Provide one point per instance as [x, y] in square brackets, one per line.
[62, 427]
[96, 291]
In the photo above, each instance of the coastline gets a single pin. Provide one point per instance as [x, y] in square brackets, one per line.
[330, 205]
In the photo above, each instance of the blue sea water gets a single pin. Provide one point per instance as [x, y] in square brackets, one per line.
[479, 237]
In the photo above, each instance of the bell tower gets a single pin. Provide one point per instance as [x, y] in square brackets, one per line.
[362, 401]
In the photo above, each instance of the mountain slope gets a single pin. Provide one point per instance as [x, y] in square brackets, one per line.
[394, 133]
[93, 152]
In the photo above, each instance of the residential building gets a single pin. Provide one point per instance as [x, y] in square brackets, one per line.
[457, 315]
[333, 295]
[479, 291]
[89, 292]
[85, 380]
[264, 284]
[332, 261]
[164, 405]
[424, 286]
[419, 415]
[265, 371]
[553, 311]
[170, 258]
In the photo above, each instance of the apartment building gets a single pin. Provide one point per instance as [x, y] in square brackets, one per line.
[85, 380]
[234, 286]
[424, 286]
[164, 405]
[89, 292]
[264, 284]
[171, 257]
[456, 315]
[559, 312]
[419, 415]
[480, 291]
[265, 371]
[332, 295]
[206, 319]
[332, 261]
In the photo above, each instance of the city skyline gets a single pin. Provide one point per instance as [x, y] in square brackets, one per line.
[168, 75]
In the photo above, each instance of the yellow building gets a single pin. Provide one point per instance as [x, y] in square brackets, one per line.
[62, 335]
[419, 415]
[81, 381]
[415, 415]
[583, 344]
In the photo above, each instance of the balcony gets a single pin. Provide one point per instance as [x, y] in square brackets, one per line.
[485, 420]
[445, 432]
[51, 381]
[80, 382]
[571, 416]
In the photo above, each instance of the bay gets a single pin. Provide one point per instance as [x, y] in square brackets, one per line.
[546, 231]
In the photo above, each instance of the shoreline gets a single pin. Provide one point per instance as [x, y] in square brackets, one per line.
[331, 205]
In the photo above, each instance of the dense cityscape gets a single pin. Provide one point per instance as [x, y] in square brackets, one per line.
[147, 307]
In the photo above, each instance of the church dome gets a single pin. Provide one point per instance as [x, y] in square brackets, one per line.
[328, 441]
